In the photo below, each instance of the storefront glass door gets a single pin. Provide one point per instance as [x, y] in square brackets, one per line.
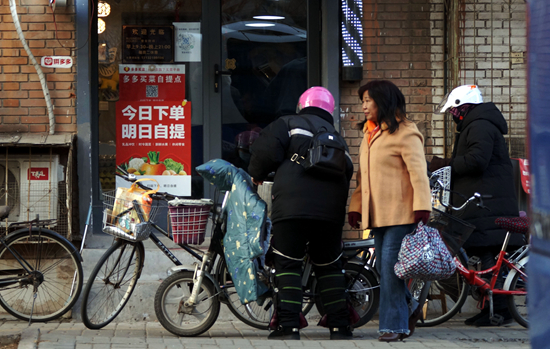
[263, 68]
[170, 99]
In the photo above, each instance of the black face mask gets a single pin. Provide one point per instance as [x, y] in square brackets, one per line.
[460, 112]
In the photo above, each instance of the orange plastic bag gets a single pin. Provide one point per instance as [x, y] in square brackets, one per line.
[125, 216]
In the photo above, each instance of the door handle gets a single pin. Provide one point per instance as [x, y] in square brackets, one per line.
[217, 74]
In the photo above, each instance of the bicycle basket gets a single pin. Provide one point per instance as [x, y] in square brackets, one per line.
[121, 219]
[188, 219]
[264, 191]
[454, 231]
[441, 188]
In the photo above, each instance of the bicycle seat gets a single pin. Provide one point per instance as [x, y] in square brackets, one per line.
[4, 212]
[518, 225]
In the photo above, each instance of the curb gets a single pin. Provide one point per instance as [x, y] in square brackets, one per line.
[29, 338]
[8, 339]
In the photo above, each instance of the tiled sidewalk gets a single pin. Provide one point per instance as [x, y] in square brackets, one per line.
[234, 334]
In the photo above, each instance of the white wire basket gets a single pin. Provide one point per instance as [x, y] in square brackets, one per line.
[120, 218]
[441, 191]
[264, 191]
[188, 220]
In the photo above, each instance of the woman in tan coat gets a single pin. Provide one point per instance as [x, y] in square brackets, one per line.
[392, 196]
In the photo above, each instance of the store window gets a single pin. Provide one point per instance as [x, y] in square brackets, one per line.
[150, 92]
[151, 78]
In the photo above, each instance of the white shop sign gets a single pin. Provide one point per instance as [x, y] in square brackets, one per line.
[56, 62]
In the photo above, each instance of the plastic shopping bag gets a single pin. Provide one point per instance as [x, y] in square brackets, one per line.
[124, 214]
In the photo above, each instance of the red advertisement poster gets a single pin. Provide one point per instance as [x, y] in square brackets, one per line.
[154, 141]
[152, 82]
[524, 169]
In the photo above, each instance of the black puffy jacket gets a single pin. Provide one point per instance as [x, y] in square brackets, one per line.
[481, 163]
[295, 193]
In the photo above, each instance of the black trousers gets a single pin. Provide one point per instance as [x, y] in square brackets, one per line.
[487, 256]
[323, 241]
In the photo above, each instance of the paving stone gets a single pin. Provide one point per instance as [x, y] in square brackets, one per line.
[83, 346]
[237, 335]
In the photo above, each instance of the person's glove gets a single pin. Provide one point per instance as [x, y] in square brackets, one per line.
[438, 163]
[421, 216]
[353, 219]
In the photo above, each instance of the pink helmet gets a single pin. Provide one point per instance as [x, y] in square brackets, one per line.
[317, 96]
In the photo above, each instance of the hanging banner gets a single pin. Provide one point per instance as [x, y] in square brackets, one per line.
[154, 141]
[152, 82]
[187, 46]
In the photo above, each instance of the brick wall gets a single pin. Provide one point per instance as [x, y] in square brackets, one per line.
[492, 50]
[397, 47]
[404, 42]
[22, 102]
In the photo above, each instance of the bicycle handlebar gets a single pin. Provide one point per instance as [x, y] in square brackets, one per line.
[476, 197]
[434, 181]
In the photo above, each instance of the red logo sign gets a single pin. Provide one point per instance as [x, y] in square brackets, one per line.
[38, 174]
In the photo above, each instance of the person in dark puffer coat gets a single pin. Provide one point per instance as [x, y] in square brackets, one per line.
[308, 213]
[480, 163]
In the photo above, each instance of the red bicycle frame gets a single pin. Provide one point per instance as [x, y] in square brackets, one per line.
[473, 278]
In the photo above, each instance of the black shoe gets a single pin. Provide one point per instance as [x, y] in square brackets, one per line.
[341, 333]
[285, 333]
[413, 319]
[501, 318]
[470, 321]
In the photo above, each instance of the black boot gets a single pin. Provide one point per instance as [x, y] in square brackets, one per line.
[285, 333]
[341, 333]
[470, 321]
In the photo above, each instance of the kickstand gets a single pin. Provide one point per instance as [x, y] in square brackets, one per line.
[32, 309]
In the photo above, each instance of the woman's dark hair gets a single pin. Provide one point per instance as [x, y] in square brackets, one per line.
[389, 100]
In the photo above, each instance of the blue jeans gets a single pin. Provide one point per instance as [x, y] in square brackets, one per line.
[396, 302]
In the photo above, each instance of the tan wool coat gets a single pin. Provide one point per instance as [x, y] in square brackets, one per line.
[392, 180]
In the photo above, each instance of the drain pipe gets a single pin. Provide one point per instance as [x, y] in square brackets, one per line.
[41, 76]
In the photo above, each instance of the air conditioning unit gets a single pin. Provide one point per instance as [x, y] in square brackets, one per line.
[30, 186]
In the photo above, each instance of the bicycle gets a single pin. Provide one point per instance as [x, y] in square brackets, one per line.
[40, 271]
[115, 276]
[446, 297]
[196, 292]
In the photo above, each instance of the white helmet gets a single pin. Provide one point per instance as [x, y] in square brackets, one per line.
[465, 94]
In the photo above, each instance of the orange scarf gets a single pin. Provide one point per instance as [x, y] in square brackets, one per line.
[372, 128]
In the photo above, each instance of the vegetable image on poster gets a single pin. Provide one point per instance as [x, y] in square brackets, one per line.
[151, 165]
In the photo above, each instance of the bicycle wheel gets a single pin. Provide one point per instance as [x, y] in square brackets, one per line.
[256, 314]
[363, 290]
[172, 313]
[445, 297]
[111, 283]
[55, 268]
[517, 304]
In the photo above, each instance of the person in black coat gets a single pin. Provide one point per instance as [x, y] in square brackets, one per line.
[308, 212]
[480, 163]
